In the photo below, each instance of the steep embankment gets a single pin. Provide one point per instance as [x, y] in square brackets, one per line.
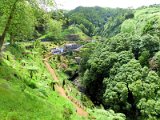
[26, 91]
[80, 111]
[25, 87]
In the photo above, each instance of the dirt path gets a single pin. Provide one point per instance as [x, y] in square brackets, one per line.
[79, 108]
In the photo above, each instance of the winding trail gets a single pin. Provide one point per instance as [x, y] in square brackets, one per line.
[79, 108]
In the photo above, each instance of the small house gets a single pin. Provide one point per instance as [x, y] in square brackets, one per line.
[71, 47]
[57, 50]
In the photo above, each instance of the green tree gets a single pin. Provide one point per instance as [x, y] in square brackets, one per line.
[14, 14]
[8, 8]
[122, 91]
[54, 28]
[23, 23]
[128, 26]
[139, 44]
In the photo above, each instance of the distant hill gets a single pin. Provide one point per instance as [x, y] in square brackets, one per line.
[98, 20]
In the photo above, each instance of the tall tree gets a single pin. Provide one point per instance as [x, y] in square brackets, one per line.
[11, 5]
[17, 15]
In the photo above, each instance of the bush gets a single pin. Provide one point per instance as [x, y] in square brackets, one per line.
[31, 84]
[67, 113]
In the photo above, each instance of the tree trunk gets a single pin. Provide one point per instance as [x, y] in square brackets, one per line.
[131, 100]
[1, 43]
[136, 54]
[11, 39]
[7, 24]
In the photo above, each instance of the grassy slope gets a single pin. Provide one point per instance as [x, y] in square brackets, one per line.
[56, 64]
[26, 98]
[23, 98]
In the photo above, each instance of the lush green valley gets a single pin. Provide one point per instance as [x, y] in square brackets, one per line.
[90, 63]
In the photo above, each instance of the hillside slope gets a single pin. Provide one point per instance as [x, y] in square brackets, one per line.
[25, 88]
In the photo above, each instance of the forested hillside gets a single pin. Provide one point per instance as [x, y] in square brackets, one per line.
[122, 73]
[85, 64]
[99, 21]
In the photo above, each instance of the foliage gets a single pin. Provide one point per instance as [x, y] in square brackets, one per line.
[122, 72]
[73, 33]
[146, 20]
[22, 26]
[26, 98]
[85, 53]
[128, 26]
[117, 17]
[92, 20]
[107, 115]
[53, 30]
[15, 20]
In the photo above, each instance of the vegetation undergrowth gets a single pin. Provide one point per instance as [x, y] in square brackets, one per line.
[25, 87]
[62, 63]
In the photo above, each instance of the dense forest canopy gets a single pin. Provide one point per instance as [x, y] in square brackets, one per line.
[122, 72]
[118, 64]
[99, 21]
